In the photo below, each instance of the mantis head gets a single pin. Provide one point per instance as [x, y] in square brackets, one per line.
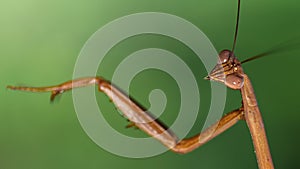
[228, 71]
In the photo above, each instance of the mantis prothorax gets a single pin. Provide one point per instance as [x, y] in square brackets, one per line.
[228, 70]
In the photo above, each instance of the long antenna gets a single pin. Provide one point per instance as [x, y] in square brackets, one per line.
[288, 45]
[257, 56]
[236, 26]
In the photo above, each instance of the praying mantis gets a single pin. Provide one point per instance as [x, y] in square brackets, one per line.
[228, 71]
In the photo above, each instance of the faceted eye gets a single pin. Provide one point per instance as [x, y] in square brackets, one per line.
[224, 56]
[234, 81]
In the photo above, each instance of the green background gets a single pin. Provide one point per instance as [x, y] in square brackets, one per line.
[40, 41]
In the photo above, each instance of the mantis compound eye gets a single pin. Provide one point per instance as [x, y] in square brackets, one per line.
[224, 56]
[234, 81]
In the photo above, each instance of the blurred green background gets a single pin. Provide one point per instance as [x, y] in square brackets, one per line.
[40, 41]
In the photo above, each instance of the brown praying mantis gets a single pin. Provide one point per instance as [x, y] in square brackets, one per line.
[228, 71]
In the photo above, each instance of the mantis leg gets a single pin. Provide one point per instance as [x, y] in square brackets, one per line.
[140, 118]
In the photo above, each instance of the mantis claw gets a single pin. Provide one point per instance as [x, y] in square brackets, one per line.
[54, 94]
[130, 125]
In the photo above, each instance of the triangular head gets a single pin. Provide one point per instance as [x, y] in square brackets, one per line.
[228, 71]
